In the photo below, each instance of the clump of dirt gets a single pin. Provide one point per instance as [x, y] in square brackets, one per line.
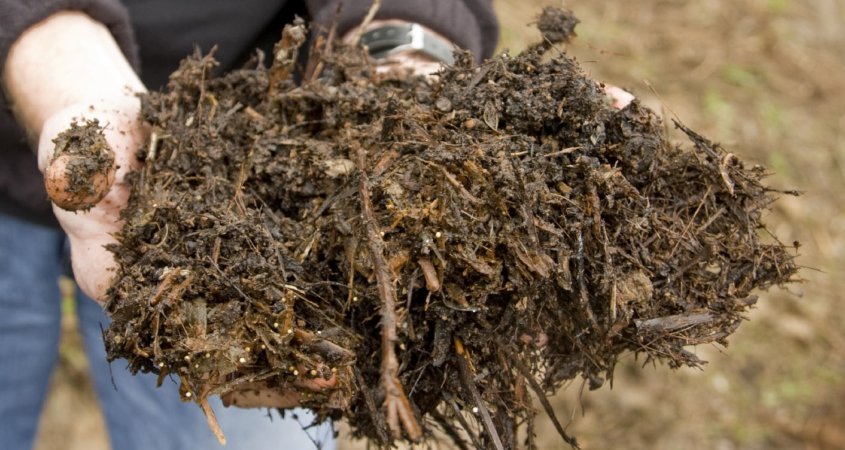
[437, 251]
[557, 25]
[81, 171]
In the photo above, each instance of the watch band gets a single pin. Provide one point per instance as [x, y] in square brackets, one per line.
[388, 40]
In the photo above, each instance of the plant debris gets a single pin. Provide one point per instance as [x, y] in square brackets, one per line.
[438, 251]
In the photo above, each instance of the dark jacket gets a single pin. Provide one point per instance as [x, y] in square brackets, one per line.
[156, 34]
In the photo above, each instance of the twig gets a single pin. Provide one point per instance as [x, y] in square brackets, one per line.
[535, 386]
[212, 421]
[395, 401]
[469, 384]
[454, 182]
[461, 420]
[449, 429]
[672, 323]
[170, 276]
[432, 283]
[371, 406]
[689, 224]
[564, 151]
[371, 14]
[285, 55]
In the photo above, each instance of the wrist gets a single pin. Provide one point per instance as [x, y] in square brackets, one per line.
[65, 60]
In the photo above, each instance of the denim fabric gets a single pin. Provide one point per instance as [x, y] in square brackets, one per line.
[138, 415]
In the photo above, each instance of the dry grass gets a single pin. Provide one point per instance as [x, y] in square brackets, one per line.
[766, 78]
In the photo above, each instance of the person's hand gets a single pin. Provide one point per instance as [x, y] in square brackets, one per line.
[83, 74]
[90, 231]
[619, 97]
[259, 395]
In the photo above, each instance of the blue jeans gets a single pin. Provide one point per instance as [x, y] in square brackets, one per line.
[138, 415]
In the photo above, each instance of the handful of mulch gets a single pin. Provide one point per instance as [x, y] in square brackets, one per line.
[432, 253]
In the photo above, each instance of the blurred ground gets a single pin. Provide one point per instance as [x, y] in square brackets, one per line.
[766, 78]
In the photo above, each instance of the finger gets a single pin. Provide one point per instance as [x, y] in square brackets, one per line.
[94, 266]
[401, 64]
[81, 170]
[620, 97]
[316, 380]
[261, 398]
[59, 181]
[121, 130]
[259, 395]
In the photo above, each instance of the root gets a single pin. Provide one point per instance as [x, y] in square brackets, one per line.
[396, 404]
[212, 421]
[467, 376]
[538, 390]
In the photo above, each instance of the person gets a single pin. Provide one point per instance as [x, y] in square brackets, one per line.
[70, 60]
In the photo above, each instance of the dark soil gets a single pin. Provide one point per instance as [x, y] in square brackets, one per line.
[445, 248]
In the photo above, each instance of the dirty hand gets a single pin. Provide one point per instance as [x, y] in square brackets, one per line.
[89, 231]
[259, 395]
[52, 82]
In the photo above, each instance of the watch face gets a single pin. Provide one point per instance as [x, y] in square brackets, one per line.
[380, 41]
[390, 39]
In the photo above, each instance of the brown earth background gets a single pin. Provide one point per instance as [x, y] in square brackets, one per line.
[766, 78]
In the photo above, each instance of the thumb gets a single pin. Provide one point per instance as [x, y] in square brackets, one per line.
[84, 150]
[81, 169]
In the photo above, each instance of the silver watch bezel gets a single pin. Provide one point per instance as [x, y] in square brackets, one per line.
[388, 40]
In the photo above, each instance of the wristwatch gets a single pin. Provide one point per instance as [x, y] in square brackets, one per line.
[388, 40]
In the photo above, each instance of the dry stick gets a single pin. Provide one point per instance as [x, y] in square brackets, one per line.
[535, 386]
[458, 415]
[449, 429]
[371, 14]
[371, 405]
[530, 436]
[395, 401]
[469, 384]
[212, 421]
[285, 55]
[689, 224]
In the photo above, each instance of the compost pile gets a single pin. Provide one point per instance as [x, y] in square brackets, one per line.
[436, 250]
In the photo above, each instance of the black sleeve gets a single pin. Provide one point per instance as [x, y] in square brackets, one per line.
[18, 15]
[471, 24]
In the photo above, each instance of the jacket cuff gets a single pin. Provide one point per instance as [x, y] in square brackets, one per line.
[19, 15]
[470, 24]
